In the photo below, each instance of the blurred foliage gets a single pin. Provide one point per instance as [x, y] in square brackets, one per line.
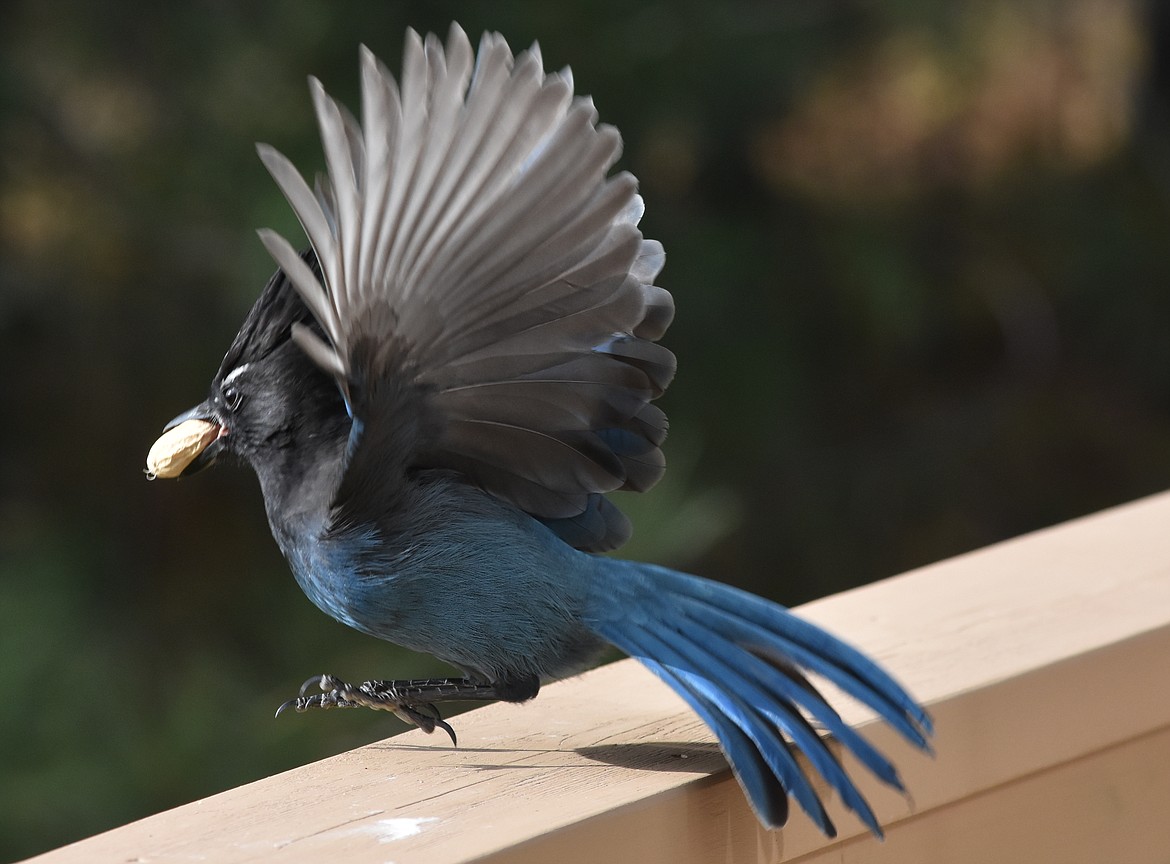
[920, 258]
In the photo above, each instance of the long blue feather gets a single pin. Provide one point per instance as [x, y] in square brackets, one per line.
[768, 797]
[797, 691]
[739, 661]
[716, 661]
[753, 742]
[776, 631]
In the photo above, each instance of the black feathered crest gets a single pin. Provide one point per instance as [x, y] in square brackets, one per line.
[270, 321]
[470, 222]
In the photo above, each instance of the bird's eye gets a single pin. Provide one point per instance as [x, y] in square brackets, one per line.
[231, 397]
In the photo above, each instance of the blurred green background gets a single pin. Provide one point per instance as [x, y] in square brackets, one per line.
[920, 258]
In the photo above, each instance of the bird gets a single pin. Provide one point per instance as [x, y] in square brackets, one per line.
[438, 392]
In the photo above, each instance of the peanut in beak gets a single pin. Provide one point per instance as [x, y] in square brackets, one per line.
[176, 448]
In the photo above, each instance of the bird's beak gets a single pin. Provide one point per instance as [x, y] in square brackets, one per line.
[189, 444]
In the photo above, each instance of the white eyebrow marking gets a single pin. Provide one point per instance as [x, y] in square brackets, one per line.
[235, 373]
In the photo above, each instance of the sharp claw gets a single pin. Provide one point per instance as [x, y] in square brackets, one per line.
[446, 727]
[327, 698]
[316, 681]
[427, 718]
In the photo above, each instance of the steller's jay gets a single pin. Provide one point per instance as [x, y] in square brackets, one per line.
[438, 394]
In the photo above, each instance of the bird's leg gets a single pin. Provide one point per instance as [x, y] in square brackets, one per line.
[411, 700]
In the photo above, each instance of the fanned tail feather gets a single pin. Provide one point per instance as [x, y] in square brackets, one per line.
[739, 662]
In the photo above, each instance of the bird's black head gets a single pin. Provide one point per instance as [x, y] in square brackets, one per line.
[266, 398]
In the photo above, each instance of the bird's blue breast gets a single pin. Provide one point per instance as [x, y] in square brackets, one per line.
[514, 588]
[336, 575]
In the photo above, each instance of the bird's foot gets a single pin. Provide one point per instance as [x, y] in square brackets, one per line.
[411, 700]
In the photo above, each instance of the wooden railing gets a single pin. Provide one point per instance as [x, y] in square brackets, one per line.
[1045, 661]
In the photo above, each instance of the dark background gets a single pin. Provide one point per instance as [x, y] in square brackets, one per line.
[920, 258]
